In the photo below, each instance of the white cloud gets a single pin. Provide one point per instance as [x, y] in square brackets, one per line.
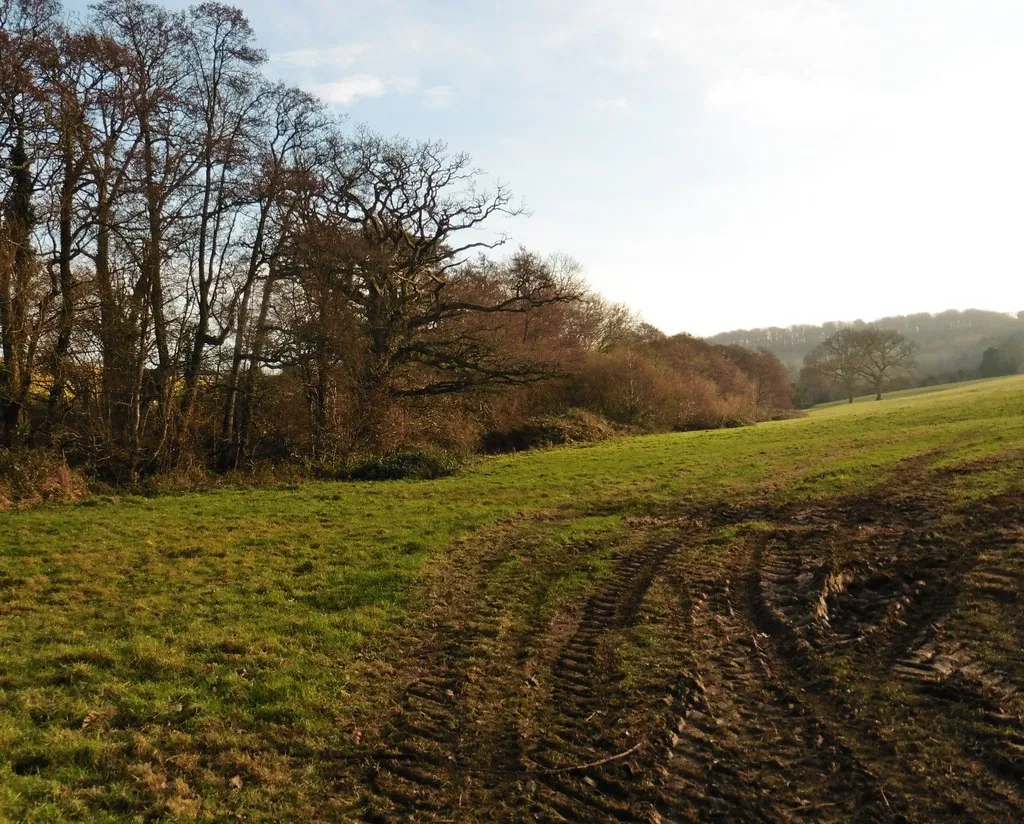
[720, 33]
[785, 99]
[785, 62]
[347, 90]
[338, 57]
[613, 104]
[437, 97]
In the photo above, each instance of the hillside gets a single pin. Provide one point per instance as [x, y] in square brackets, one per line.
[950, 343]
[669, 624]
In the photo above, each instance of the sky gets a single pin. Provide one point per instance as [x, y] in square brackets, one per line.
[714, 164]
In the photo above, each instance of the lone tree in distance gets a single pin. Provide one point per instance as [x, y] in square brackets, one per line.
[886, 353]
[839, 359]
[850, 355]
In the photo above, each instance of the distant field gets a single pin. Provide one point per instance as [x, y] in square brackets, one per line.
[259, 655]
[909, 393]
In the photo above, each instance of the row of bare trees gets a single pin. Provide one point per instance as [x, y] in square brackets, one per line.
[193, 256]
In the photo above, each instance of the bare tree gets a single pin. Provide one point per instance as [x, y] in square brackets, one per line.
[26, 27]
[840, 359]
[154, 233]
[886, 353]
[224, 98]
[292, 124]
[71, 73]
[395, 232]
[109, 149]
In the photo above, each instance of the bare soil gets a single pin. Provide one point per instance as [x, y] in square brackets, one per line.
[850, 659]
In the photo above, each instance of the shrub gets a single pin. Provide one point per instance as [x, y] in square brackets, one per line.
[574, 426]
[420, 465]
[29, 477]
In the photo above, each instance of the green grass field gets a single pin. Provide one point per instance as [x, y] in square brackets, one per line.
[909, 393]
[193, 657]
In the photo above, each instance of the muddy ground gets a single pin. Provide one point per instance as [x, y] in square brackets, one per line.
[850, 659]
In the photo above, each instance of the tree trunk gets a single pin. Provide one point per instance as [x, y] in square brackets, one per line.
[153, 264]
[15, 280]
[10, 412]
[66, 317]
[114, 420]
[243, 414]
[227, 457]
[193, 365]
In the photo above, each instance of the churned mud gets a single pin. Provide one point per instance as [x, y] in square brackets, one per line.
[852, 659]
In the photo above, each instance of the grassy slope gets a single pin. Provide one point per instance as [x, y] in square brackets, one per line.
[229, 632]
[909, 393]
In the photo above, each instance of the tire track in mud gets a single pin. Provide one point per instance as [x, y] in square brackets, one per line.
[727, 738]
[416, 770]
[430, 750]
[744, 743]
[945, 669]
[754, 696]
[785, 604]
[583, 689]
[800, 605]
[421, 739]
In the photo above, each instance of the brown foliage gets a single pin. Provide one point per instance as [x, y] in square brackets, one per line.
[200, 269]
[30, 477]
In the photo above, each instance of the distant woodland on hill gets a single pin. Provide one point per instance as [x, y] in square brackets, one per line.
[201, 268]
[950, 346]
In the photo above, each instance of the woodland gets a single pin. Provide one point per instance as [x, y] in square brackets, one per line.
[950, 346]
[203, 268]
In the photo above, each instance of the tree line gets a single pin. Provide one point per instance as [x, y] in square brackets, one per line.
[200, 263]
[950, 345]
